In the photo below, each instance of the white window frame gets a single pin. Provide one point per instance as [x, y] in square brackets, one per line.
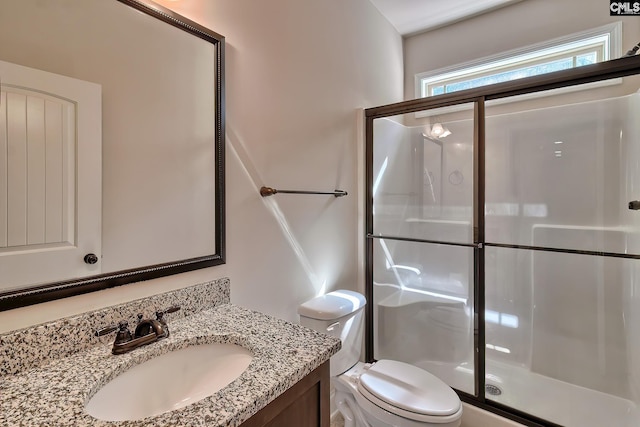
[607, 39]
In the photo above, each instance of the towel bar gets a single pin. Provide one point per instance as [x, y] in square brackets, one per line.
[268, 191]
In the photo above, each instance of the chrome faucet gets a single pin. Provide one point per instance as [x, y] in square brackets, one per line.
[146, 332]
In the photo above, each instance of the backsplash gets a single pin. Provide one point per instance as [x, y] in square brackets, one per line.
[34, 346]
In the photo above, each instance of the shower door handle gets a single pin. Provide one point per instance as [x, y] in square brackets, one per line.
[634, 205]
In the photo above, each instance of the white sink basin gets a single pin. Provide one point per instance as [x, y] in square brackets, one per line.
[171, 381]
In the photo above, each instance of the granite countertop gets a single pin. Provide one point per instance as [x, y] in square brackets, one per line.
[56, 393]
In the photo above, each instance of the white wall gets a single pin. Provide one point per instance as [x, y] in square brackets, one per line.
[521, 24]
[297, 73]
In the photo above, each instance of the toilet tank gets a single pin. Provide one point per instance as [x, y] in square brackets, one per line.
[339, 314]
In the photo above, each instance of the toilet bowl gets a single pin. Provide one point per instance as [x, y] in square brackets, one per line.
[385, 393]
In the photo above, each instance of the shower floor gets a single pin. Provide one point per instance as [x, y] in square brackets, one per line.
[556, 401]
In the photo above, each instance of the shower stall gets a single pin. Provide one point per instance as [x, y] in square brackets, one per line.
[503, 243]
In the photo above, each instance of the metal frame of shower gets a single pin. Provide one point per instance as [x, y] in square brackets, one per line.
[587, 74]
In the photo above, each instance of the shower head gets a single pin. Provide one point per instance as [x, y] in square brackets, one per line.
[432, 139]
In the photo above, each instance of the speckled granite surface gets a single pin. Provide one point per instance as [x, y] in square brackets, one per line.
[55, 394]
[35, 346]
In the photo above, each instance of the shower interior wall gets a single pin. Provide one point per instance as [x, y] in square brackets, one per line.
[575, 326]
[568, 309]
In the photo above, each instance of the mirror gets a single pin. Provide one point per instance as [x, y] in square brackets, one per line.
[154, 202]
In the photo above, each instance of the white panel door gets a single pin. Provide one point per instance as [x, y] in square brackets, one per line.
[50, 176]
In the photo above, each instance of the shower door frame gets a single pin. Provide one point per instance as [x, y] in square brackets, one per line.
[587, 74]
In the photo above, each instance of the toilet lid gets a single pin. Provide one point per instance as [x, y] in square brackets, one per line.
[409, 388]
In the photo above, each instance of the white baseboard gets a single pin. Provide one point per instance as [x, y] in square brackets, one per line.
[472, 416]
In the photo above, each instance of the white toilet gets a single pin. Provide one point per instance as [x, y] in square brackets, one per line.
[386, 393]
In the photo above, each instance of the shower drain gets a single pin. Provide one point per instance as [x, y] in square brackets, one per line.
[493, 390]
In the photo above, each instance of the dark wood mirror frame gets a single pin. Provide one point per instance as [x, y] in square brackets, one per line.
[52, 291]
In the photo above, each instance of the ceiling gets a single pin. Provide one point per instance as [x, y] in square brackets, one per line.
[415, 16]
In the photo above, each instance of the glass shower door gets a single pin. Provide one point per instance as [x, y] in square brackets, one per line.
[561, 270]
[503, 244]
[423, 247]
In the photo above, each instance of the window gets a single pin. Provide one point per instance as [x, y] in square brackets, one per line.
[588, 47]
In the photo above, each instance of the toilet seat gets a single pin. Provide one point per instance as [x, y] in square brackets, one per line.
[409, 392]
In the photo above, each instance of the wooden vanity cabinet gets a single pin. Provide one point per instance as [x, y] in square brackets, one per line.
[305, 404]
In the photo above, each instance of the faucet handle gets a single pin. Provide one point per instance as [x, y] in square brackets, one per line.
[122, 327]
[123, 335]
[172, 309]
[106, 330]
[162, 321]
